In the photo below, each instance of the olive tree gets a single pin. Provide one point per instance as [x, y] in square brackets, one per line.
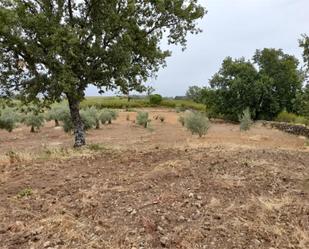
[55, 48]
[9, 117]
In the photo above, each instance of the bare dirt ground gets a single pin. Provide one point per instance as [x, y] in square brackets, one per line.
[155, 188]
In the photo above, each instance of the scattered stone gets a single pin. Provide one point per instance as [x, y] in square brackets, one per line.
[199, 197]
[191, 195]
[257, 242]
[165, 241]
[47, 244]
[198, 204]
[181, 218]
[160, 229]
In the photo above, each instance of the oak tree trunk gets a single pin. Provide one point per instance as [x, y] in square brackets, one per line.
[78, 125]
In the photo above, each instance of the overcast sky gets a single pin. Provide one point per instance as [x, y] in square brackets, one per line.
[233, 28]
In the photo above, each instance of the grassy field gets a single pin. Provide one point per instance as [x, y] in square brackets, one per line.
[123, 103]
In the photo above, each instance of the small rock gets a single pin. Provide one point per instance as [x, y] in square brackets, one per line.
[191, 195]
[47, 244]
[198, 205]
[133, 212]
[165, 241]
[129, 210]
[181, 218]
[257, 242]
[199, 197]
[160, 230]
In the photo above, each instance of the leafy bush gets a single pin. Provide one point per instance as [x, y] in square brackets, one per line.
[65, 118]
[142, 118]
[54, 113]
[34, 120]
[287, 117]
[302, 120]
[8, 119]
[114, 115]
[197, 123]
[245, 120]
[93, 113]
[105, 117]
[108, 115]
[155, 99]
[87, 117]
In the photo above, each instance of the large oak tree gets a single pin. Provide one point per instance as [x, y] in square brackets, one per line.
[267, 86]
[51, 48]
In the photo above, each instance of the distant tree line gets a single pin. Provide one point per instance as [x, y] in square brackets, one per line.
[268, 84]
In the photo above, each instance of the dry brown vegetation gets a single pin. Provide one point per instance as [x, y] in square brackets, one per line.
[154, 188]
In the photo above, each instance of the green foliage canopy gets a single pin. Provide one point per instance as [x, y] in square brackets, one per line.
[155, 99]
[48, 48]
[266, 87]
[53, 48]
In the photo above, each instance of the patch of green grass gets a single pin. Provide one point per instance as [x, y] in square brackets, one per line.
[25, 193]
[95, 147]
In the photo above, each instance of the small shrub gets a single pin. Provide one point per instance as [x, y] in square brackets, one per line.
[245, 120]
[302, 120]
[65, 118]
[181, 120]
[34, 120]
[89, 119]
[95, 147]
[95, 113]
[24, 193]
[54, 114]
[13, 156]
[197, 123]
[155, 99]
[114, 115]
[106, 117]
[142, 118]
[287, 117]
[9, 117]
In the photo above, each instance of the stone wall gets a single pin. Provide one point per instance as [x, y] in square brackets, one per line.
[299, 130]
